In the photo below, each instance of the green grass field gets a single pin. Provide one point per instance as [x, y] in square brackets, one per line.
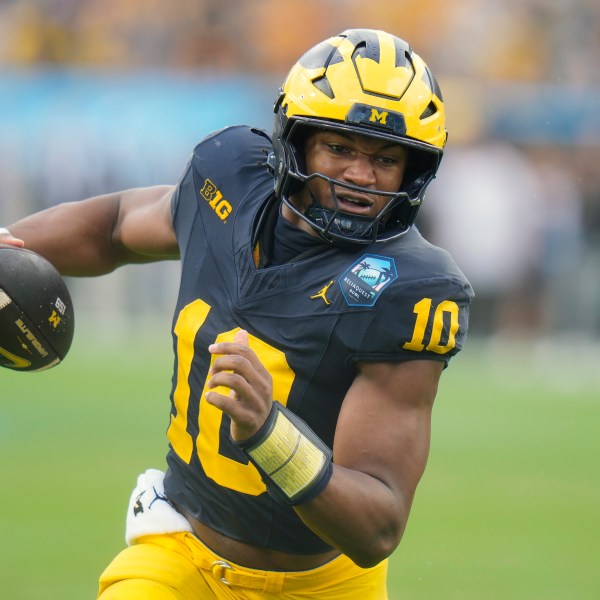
[508, 509]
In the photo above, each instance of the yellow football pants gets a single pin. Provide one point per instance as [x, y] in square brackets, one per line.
[179, 567]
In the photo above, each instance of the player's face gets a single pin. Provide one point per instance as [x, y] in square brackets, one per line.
[363, 161]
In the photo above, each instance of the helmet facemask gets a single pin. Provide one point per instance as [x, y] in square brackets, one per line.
[342, 228]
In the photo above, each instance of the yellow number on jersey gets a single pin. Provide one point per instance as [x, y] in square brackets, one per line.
[423, 311]
[224, 471]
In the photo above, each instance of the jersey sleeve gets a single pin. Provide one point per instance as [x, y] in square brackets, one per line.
[427, 319]
[217, 180]
[184, 207]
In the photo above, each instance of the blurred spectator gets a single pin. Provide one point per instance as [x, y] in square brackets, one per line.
[486, 208]
[527, 76]
[562, 259]
[534, 40]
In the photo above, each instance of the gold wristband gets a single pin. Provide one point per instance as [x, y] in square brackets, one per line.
[290, 456]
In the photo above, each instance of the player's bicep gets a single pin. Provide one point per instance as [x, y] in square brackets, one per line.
[385, 422]
[144, 228]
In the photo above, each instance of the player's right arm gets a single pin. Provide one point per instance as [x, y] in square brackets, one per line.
[97, 235]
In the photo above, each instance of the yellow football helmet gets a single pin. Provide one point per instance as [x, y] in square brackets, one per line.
[368, 82]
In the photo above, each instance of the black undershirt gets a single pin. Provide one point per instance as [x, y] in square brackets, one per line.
[290, 242]
[282, 242]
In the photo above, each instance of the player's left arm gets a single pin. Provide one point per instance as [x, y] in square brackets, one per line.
[380, 447]
[380, 451]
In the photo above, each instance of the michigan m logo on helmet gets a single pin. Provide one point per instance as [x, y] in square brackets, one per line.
[378, 117]
[366, 82]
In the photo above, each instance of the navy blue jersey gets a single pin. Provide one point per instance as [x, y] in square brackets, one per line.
[309, 321]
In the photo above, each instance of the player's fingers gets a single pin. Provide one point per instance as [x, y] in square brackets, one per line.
[241, 337]
[245, 420]
[225, 403]
[236, 357]
[242, 379]
[238, 347]
[231, 380]
[6, 237]
[239, 344]
[232, 362]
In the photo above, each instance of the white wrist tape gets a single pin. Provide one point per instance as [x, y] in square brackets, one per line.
[4, 231]
[293, 461]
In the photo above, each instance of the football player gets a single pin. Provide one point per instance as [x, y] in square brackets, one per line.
[312, 325]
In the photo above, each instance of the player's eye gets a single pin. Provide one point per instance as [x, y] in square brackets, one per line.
[387, 160]
[337, 148]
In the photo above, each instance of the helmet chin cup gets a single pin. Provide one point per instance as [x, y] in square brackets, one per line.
[341, 228]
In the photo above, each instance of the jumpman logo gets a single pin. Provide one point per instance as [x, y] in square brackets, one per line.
[157, 496]
[323, 294]
[138, 507]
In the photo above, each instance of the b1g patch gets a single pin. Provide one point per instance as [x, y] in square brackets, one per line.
[363, 282]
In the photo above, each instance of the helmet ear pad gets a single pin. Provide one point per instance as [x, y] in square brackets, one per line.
[420, 170]
[288, 144]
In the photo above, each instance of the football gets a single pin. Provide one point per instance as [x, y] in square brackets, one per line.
[36, 312]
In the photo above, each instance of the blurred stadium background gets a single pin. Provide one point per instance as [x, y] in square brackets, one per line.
[99, 95]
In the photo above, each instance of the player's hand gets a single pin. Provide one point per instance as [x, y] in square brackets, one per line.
[250, 398]
[6, 237]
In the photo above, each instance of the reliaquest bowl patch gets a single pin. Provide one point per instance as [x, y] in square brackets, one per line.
[363, 282]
